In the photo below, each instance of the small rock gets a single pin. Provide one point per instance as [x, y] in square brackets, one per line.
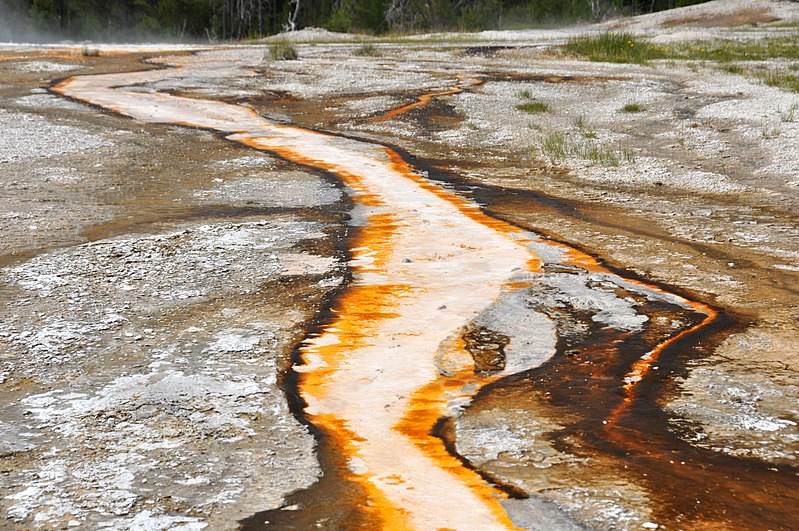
[650, 525]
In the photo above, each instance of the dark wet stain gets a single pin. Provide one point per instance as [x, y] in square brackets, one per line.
[685, 113]
[485, 51]
[436, 116]
[487, 348]
[268, 97]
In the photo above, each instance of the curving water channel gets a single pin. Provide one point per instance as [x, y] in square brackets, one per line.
[442, 304]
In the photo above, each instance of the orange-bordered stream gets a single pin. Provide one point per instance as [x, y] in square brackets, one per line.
[426, 263]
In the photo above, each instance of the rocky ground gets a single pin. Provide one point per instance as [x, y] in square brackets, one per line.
[155, 279]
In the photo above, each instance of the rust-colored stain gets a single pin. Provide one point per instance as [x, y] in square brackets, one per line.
[644, 364]
[741, 17]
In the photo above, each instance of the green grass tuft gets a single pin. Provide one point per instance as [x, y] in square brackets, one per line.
[533, 107]
[283, 51]
[727, 50]
[632, 107]
[789, 114]
[597, 154]
[367, 49]
[779, 79]
[733, 69]
[625, 47]
[554, 147]
[770, 130]
[558, 147]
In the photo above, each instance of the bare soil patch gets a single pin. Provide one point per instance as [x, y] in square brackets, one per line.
[742, 17]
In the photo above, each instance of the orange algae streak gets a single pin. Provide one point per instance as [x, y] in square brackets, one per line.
[391, 517]
[424, 99]
[359, 311]
[467, 208]
[426, 408]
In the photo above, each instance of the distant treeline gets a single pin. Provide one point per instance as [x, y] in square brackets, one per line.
[238, 19]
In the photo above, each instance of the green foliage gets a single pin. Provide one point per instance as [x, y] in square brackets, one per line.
[355, 15]
[480, 15]
[533, 107]
[558, 146]
[339, 21]
[283, 50]
[367, 49]
[554, 147]
[611, 47]
[122, 19]
[632, 107]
